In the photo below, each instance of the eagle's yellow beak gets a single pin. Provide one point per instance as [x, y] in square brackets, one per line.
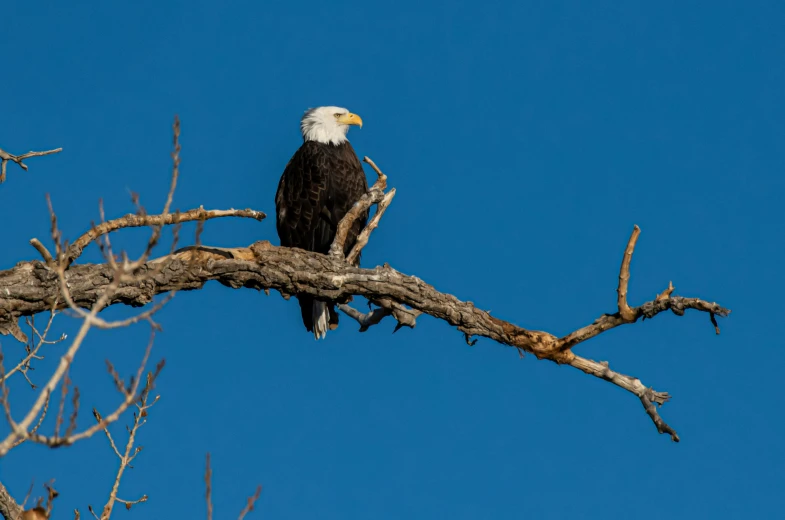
[350, 119]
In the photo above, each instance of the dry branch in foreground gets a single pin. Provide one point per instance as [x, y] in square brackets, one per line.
[127, 456]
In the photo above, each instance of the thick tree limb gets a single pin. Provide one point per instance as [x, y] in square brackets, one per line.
[5, 157]
[30, 288]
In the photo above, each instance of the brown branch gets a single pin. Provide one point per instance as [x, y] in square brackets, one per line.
[294, 271]
[29, 286]
[251, 501]
[381, 206]
[367, 320]
[648, 396]
[362, 238]
[626, 313]
[131, 220]
[676, 304]
[375, 195]
[45, 254]
[5, 157]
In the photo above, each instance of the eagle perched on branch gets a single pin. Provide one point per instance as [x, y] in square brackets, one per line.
[321, 182]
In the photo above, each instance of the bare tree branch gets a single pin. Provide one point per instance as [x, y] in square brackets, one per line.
[251, 501]
[376, 191]
[367, 320]
[625, 312]
[32, 350]
[293, 271]
[121, 272]
[140, 418]
[5, 157]
[131, 220]
[374, 195]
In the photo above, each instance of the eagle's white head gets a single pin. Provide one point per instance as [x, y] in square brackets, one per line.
[328, 125]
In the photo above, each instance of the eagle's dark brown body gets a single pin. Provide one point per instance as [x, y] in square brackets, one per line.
[318, 187]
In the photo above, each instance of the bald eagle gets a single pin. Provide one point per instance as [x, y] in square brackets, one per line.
[321, 182]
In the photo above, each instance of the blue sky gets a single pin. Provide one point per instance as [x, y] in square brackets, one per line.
[525, 139]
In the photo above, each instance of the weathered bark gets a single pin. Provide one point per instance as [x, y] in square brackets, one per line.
[30, 288]
[9, 509]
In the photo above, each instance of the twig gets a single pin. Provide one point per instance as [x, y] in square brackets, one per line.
[647, 396]
[131, 394]
[676, 304]
[108, 435]
[664, 295]
[47, 256]
[365, 320]
[208, 474]
[381, 207]
[626, 313]
[362, 238]
[140, 418]
[32, 353]
[251, 501]
[37, 425]
[5, 157]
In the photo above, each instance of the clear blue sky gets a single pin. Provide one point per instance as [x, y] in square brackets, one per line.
[525, 139]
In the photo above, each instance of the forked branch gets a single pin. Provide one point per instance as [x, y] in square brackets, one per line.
[293, 271]
[5, 157]
[375, 195]
[131, 220]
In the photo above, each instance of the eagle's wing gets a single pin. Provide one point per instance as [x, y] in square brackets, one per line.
[300, 203]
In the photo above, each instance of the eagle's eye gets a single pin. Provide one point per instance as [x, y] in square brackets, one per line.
[337, 115]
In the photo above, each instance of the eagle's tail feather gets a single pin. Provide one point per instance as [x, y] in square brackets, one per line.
[321, 318]
[318, 317]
